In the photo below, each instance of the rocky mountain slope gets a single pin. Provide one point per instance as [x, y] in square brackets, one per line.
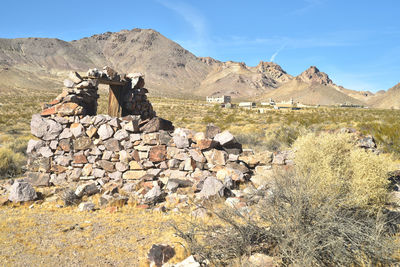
[315, 88]
[170, 70]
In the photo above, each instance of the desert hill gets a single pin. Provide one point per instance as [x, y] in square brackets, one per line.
[170, 70]
[314, 88]
[388, 99]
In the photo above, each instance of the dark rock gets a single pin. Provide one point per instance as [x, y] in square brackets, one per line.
[160, 254]
[156, 124]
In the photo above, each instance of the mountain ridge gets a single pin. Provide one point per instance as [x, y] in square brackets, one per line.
[169, 68]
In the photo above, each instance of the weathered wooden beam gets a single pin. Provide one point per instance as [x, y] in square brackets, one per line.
[115, 100]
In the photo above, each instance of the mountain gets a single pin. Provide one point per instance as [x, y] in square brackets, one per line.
[389, 99]
[170, 70]
[314, 88]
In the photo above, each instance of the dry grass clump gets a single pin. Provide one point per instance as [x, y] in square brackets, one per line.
[333, 163]
[289, 226]
[11, 163]
[327, 211]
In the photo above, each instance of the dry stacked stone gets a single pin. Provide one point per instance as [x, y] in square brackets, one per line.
[148, 158]
[138, 156]
[79, 97]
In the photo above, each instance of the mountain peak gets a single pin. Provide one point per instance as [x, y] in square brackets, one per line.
[274, 71]
[313, 75]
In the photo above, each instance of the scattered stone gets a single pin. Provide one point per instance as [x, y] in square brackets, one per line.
[261, 260]
[153, 195]
[86, 189]
[160, 254]
[211, 187]
[86, 206]
[21, 191]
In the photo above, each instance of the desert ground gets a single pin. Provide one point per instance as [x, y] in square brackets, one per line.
[46, 233]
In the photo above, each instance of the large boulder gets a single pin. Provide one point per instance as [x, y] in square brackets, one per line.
[22, 191]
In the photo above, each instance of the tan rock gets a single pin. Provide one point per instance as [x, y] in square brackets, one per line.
[216, 157]
[133, 175]
[91, 131]
[134, 165]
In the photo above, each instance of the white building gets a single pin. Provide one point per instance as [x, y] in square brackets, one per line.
[247, 105]
[219, 99]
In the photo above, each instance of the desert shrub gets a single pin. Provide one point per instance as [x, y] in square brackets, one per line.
[18, 145]
[283, 136]
[288, 225]
[11, 163]
[326, 211]
[333, 163]
[253, 140]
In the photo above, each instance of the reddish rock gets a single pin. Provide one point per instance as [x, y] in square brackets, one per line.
[158, 153]
[58, 169]
[80, 159]
[65, 145]
[54, 102]
[69, 109]
[205, 144]
[49, 111]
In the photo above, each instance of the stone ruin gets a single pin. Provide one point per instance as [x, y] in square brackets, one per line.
[132, 153]
[127, 95]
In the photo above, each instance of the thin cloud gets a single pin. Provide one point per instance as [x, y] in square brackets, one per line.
[309, 4]
[277, 52]
[196, 20]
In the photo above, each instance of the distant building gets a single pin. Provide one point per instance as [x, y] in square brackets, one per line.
[224, 99]
[247, 105]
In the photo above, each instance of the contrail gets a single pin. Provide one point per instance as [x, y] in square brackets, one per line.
[272, 59]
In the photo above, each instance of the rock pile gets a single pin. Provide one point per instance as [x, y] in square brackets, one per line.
[146, 158]
[79, 98]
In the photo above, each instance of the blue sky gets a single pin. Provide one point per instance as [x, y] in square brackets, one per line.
[356, 42]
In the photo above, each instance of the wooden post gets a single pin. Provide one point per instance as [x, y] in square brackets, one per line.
[115, 100]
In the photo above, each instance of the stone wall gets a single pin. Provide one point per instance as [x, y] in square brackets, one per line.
[79, 97]
[148, 157]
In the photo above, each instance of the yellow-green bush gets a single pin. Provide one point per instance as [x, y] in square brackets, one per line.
[10, 162]
[334, 165]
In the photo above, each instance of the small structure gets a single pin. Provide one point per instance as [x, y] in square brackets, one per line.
[127, 95]
[270, 103]
[224, 99]
[247, 105]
